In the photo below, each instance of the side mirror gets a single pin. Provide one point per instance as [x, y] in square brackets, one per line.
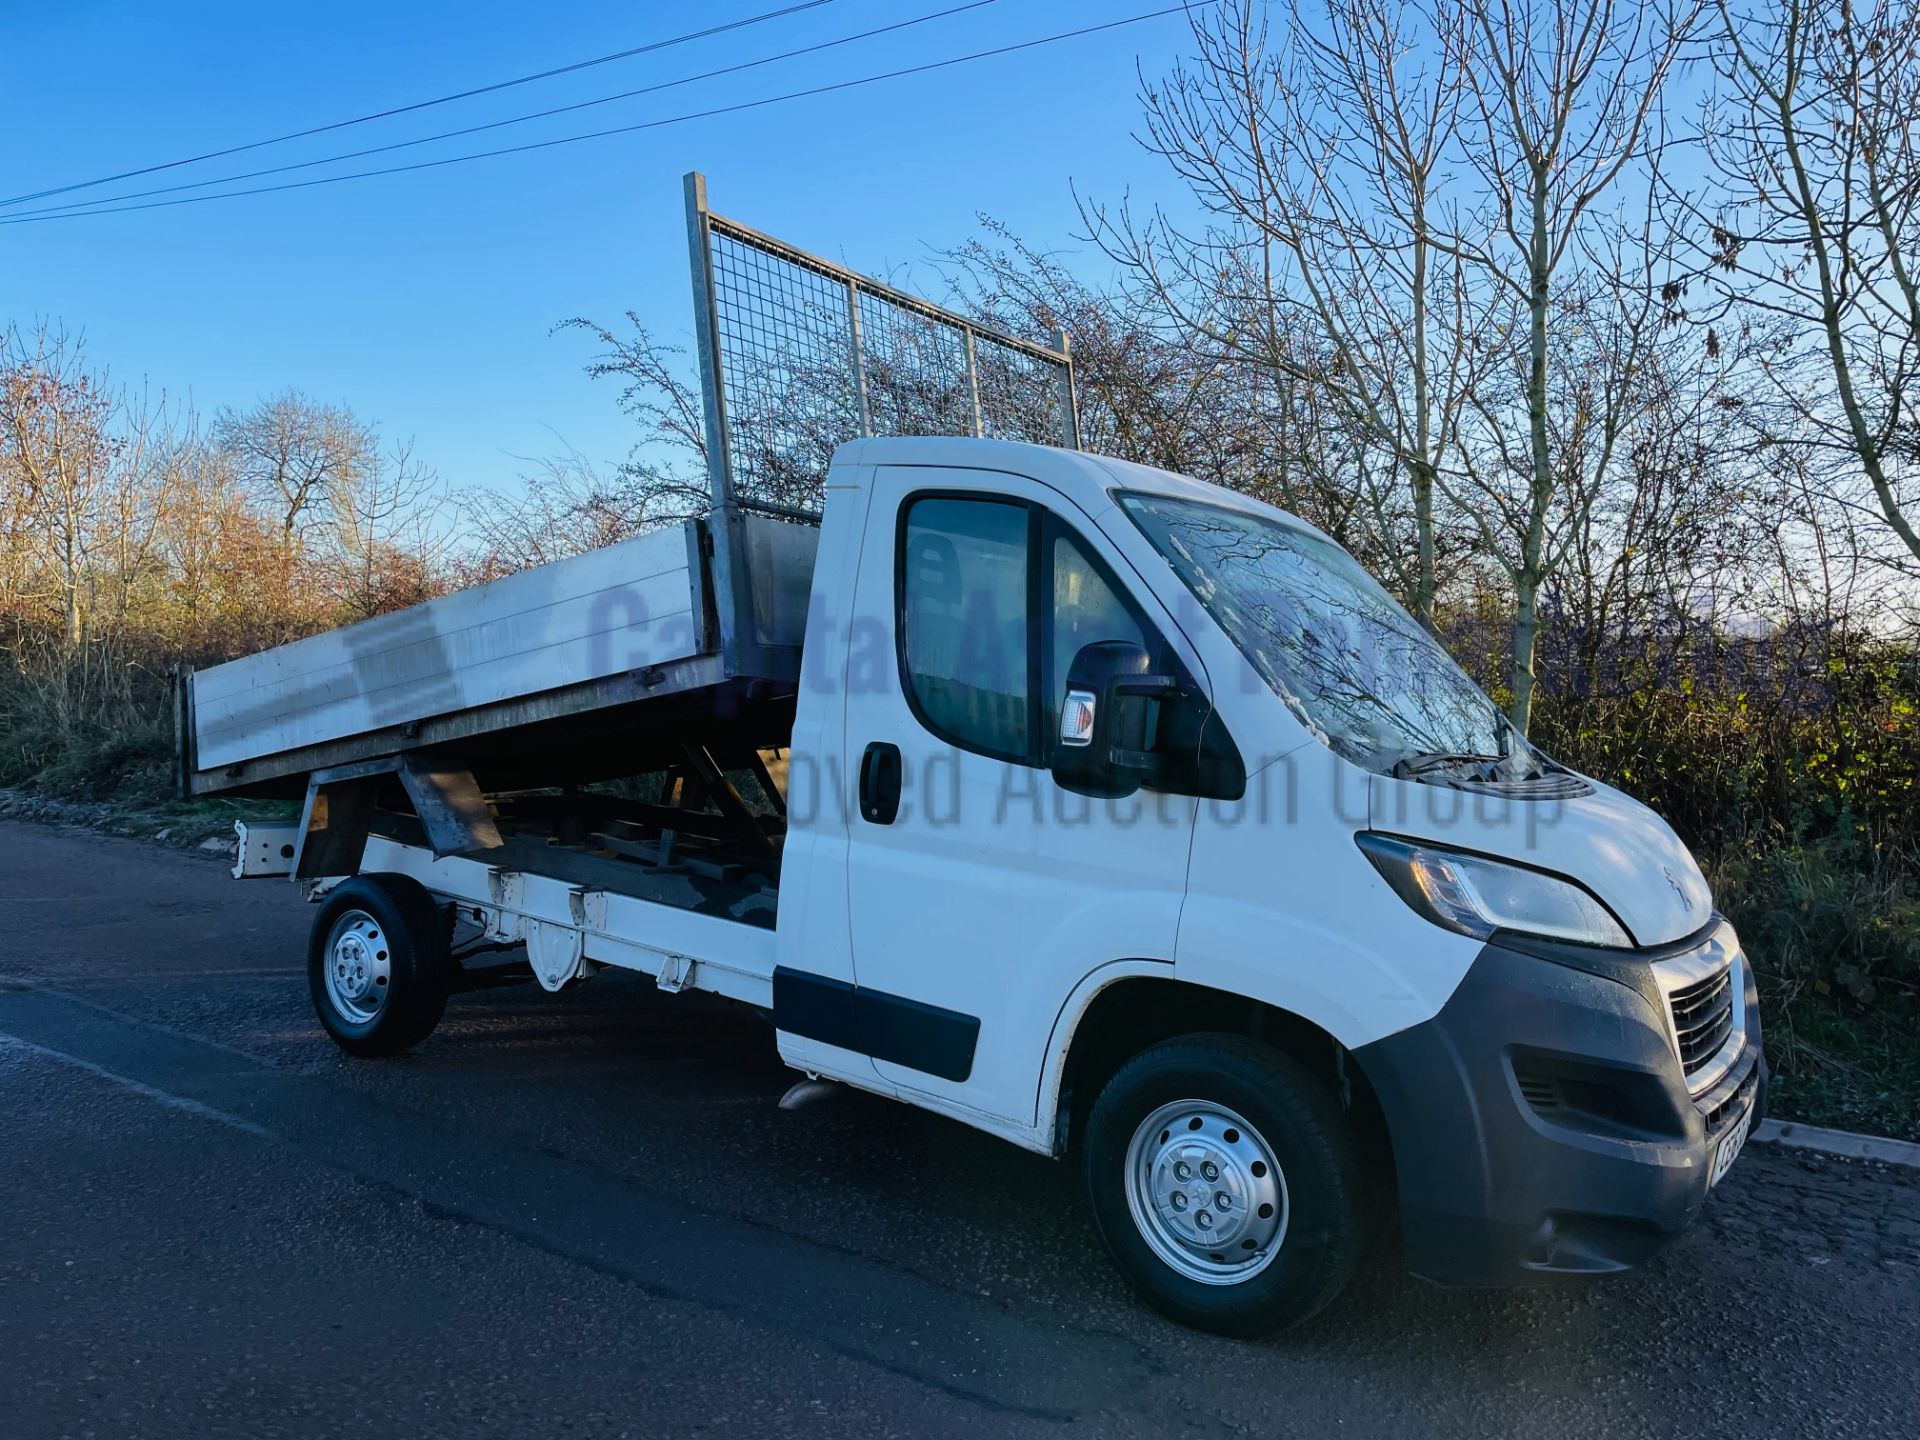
[1104, 748]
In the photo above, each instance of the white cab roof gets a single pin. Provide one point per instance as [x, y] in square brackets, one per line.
[1089, 479]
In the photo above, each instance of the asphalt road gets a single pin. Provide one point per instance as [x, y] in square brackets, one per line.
[583, 1215]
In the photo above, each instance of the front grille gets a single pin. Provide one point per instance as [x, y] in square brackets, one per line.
[1717, 1117]
[1702, 1019]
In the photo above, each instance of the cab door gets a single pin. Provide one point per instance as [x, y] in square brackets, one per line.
[980, 893]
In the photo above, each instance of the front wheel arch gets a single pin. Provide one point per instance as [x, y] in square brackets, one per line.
[1135, 1011]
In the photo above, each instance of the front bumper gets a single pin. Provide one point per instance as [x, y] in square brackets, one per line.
[1541, 1123]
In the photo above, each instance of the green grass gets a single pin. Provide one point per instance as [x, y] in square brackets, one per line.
[121, 779]
[1842, 1064]
[1833, 931]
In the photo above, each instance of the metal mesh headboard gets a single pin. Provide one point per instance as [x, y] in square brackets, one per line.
[798, 354]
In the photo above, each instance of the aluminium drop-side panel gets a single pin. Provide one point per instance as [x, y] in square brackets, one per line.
[583, 618]
[780, 557]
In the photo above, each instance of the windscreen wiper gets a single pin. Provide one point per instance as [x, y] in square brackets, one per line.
[1411, 766]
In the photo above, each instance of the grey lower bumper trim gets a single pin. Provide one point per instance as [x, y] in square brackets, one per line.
[1541, 1124]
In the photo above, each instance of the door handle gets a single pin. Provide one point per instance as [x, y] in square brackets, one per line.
[880, 783]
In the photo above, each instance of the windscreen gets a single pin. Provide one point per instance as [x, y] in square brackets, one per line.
[1356, 668]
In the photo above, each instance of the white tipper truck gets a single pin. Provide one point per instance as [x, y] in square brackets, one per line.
[1107, 811]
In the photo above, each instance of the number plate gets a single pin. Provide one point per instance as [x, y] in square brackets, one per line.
[1730, 1146]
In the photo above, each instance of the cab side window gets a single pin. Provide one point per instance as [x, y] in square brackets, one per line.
[964, 621]
[1086, 609]
[995, 599]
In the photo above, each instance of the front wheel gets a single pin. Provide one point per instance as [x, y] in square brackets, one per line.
[377, 964]
[1224, 1181]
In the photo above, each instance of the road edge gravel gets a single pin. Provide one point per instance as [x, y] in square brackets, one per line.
[1797, 1136]
[175, 826]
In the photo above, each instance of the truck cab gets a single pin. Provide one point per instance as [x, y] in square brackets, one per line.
[1149, 828]
[1108, 811]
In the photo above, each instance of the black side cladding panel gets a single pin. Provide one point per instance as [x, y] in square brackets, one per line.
[815, 1006]
[888, 1027]
[922, 1037]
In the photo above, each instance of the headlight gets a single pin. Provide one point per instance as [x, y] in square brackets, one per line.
[1476, 896]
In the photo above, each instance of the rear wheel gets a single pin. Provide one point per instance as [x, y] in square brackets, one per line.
[377, 965]
[1224, 1181]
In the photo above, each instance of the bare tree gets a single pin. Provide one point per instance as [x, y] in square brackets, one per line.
[1320, 162]
[1421, 190]
[199, 498]
[1815, 229]
[62, 451]
[1561, 95]
[561, 506]
[1672, 543]
[293, 451]
[1146, 391]
[665, 471]
[1155, 391]
[386, 530]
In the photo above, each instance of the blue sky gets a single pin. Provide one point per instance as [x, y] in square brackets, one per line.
[424, 301]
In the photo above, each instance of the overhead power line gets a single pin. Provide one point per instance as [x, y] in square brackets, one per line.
[624, 129]
[87, 205]
[647, 49]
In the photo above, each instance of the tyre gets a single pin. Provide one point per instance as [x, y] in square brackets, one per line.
[1225, 1183]
[377, 964]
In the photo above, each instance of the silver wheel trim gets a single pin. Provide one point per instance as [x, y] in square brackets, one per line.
[1184, 1160]
[359, 967]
